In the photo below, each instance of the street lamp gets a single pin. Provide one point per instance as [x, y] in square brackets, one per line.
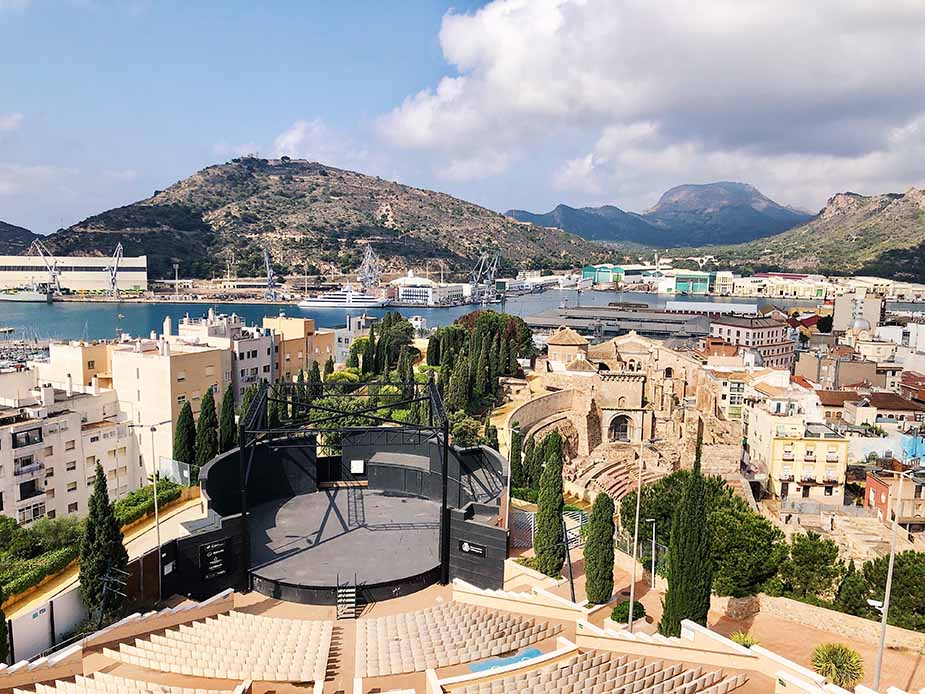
[885, 607]
[639, 469]
[157, 519]
[652, 521]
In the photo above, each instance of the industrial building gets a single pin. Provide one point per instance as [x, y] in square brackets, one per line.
[74, 273]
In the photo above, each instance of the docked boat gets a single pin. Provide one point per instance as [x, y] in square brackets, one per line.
[39, 294]
[345, 297]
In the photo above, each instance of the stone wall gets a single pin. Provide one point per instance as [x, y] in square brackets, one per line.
[534, 411]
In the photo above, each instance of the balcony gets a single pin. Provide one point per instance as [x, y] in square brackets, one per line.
[810, 456]
[34, 466]
[831, 457]
[786, 477]
[808, 479]
[830, 479]
[788, 455]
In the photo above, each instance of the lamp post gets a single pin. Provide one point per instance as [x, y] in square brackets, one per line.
[885, 609]
[639, 469]
[652, 521]
[157, 519]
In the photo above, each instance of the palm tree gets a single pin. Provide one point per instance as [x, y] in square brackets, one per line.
[839, 664]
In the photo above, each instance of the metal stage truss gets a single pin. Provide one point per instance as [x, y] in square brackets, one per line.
[325, 415]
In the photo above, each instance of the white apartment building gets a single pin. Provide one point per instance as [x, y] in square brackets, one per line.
[251, 347]
[766, 336]
[857, 306]
[75, 273]
[51, 439]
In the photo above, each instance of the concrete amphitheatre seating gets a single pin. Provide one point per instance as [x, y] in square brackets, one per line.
[598, 672]
[101, 683]
[238, 646]
[440, 636]
[616, 478]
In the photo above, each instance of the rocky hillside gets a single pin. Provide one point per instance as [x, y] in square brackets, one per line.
[876, 234]
[686, 215]
[14, 240]
[308, 212]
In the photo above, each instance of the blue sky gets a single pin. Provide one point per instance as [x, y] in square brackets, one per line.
[510, 103]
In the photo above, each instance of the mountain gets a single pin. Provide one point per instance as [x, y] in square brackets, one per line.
[310, 213]
[686, 215]
[14, 240]
[865, 234]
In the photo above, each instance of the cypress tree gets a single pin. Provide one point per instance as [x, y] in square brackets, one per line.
[457, 397]
[512, 366]
[273, 407]
[504, 357]
[530, 479]
[690, 565]
[328, 367]
[227, 430]
[493, 357]
[206, 433]
[101, 548]
[353, 361]
[446, 370]
[184, 437]
[517, 468]
[246, 398]
[302, 394]
[599, 551]
[547, 542]
[480, 387]
[852, 593]
[491, 435]
[4, 641]
[433, 350]
[382, 354]
[369, 353]
[406, 372]
[315, 384]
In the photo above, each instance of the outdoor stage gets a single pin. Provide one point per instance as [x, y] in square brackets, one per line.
[302, 546]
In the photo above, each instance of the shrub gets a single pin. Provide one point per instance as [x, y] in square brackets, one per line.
[620, 613]
[839, 664]
[23, 575]
[140, 502]
[743, 638]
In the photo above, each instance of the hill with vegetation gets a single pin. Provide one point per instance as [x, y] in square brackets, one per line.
[686, 215]
[14, 240]
[310, 214]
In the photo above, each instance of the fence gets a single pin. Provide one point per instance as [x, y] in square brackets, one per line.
[45, 627]
[523, 527]
[623, 543]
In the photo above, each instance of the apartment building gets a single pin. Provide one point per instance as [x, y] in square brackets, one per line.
[766, 336]
[154, 378]
[357, 326]
[297, 344]
[251, 347]
[51, 439]
[891, 500]
[856, 306]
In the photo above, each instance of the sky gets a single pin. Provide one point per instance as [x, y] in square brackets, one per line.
[508, 103]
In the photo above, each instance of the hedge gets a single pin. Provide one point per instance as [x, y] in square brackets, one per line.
[140, 502]
[23, 574]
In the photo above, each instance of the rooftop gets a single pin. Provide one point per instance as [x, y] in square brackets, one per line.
[566, 337]
[743, 322]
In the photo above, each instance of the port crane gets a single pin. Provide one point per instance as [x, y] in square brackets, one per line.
[370, 271]
[270, 292]
[51, 264]
[113, 270]
[484, 274]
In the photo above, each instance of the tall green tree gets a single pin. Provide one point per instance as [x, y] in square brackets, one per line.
[302, 395]
[457, 397]
[481, 385]
[504, 357]
[907, 597]
[227, 430]
[4, 639]
[690, 567]
[548, 541]
[747, 551]
[533, 464]
[246, 398]
[494, 369]
[518, 478]
[368, 365]
[314, 382]
[406, 372]
[598, 551]
[184, 436]
[813, 566]
[206, 432]
[101, 548]
[491, 435]
[433, 350]
[328, 367]
[851, 596]
[446, 372]
[274, 406]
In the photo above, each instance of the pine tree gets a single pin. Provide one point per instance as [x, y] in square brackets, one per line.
[690, 565]
[433, 350]
[184, 436]
[315, 384]
[598, 551]
[457, 397]
[852, 593]
[101, 548]
[206, 433]
[227, 430]
[517, 469]
[369, 353]
[504, 357]
[328, 367]
[548, 541]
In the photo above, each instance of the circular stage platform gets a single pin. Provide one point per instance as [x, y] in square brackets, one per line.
[302, 546]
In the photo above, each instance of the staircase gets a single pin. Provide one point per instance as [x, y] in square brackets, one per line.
[346, 601]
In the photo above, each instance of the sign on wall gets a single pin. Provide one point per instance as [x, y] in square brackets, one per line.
[214, 558]
[472, 548]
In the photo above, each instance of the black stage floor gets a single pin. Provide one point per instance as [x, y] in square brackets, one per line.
[310, 539]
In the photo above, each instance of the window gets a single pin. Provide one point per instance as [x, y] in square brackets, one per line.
[90, 480]
[94, 439]
[29, 489]
[27, 437]
[49, 493]
[49, 451]
[31, 513]
[49, 472]
[91, 364]
[210, 370]
[917, 494]
[828, 490]
[181, 376]
[72, 507]
[181, 398]
[72, 486]
[71, 465]
[69, 445]
[24, 464]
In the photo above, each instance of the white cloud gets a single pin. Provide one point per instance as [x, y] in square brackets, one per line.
[818, 90]
[18, 179]
[10, 121]
[315, 140]
[474, 167]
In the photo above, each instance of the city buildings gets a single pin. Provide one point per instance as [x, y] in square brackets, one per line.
[422, 291]
[75, 273]
[858, 310]
[766, 336]
[298, 344]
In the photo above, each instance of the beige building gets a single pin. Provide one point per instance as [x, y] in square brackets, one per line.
[76, 273]
[766, 336]
[51, 438]
[298, 344]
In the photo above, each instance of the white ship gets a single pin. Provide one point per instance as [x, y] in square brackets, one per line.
[37, 294]
[345, 297]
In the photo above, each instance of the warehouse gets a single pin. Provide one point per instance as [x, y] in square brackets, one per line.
[75, 273]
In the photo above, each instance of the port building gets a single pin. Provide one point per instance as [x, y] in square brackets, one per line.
[76, 273]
